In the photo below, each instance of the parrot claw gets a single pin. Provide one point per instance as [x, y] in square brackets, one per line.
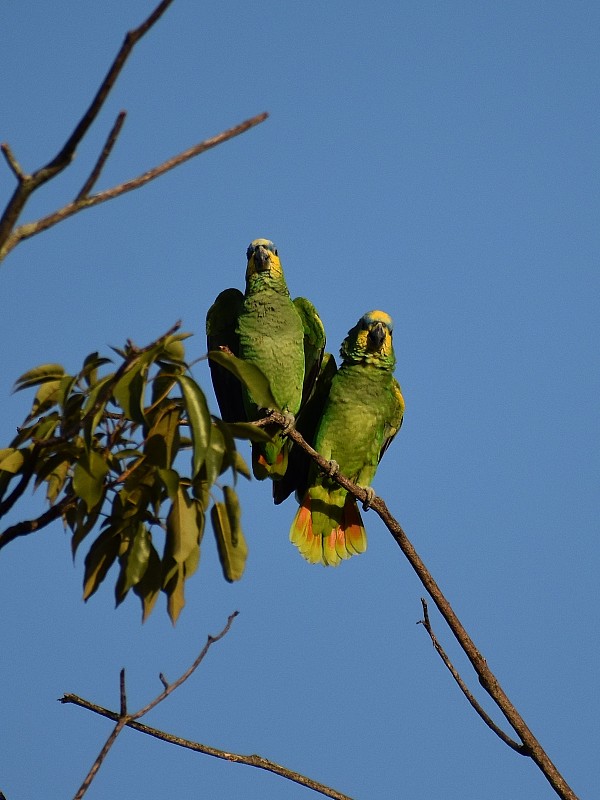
[290, 421]
[334, 468]
[370, 494]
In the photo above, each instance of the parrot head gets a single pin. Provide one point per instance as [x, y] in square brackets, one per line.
[263, 258]
[370, 340]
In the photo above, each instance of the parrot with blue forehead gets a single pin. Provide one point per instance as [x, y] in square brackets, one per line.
[284, 338]
[361, 415]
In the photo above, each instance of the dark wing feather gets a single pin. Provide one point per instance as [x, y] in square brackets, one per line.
[221, 333]
[307, 423]
[314, 344]
[397, 417]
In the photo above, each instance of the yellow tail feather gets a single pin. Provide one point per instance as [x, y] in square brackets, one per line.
[348, 539]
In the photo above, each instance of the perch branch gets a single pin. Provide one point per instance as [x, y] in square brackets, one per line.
[530, 747]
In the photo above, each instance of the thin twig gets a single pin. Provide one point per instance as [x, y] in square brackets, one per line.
[124, 719]
[106, 151]
[237, 758]
[27, 184]
[426, 623]
[29, 229]
[487, 679]
[12, 162]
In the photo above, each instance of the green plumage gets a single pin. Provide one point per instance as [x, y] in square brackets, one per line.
[362, 414]
[283, 338]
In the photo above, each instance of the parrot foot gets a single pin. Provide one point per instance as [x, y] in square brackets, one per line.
[370, 494]
[334, 468]
[290, 421]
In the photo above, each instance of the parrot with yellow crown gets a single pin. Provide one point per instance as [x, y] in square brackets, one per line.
[284, 338]
[361, 415]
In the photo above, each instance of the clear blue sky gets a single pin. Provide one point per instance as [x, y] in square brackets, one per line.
[436, 160]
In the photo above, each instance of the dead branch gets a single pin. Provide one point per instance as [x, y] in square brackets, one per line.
[27, 184]
[123, 720]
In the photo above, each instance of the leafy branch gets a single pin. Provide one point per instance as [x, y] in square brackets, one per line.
[109, 447]
[27, 184]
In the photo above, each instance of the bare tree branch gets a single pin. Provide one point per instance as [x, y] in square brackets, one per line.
[10, 236]
[106, 151]
[83, 201]
[426, 623]
[130, 721]
[124, 719]
[33, 525]
[530, 745]
[27, 184]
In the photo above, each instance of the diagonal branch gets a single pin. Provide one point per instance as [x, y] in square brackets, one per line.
[487, 679]
[10, 236]
[27, 184]
[83, 200]
[236, 758]
[426, 623]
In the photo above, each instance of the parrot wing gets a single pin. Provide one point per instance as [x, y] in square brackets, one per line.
[296, 476]
[314, 344]
[397, 418]
[221, 333]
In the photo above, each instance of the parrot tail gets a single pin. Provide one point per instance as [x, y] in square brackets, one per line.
[344, 540]
[270, 460]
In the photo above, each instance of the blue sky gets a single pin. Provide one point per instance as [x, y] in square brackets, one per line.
[438, 161]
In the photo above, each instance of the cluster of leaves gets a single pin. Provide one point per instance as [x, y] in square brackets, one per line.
[108, 446]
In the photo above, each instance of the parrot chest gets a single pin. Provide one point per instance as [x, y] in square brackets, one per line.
[272, 337]
[352, 428]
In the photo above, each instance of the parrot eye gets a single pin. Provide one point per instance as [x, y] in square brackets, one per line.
[249, 252]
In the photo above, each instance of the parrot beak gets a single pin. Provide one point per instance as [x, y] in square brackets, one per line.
[376, 335]
[261, 257]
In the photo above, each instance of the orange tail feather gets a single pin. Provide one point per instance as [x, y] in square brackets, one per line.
[344, 541]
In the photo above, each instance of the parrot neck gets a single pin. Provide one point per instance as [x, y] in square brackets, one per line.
[260, 281]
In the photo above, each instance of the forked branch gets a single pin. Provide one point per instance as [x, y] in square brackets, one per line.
[125, 720]
[27, 184]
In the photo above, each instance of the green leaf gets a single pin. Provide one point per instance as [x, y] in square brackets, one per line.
[239, 465]
[47, 395]
[99, 560]
[37, 375]
[90, 368]
[162, 440]
[91, 421]
[88, 478]
[175, 594]
[184, 527]
[134, 560]
[129, 391]
[56, 480]
[214, 457]
[199, 419]
[148, 588]
[245, 430]
[81, 522]
[231, 544]
[11, 460]
[170, 479]
[250, 375]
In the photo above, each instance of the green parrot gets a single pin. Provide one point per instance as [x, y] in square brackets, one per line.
[285, 339]
[361, 415]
